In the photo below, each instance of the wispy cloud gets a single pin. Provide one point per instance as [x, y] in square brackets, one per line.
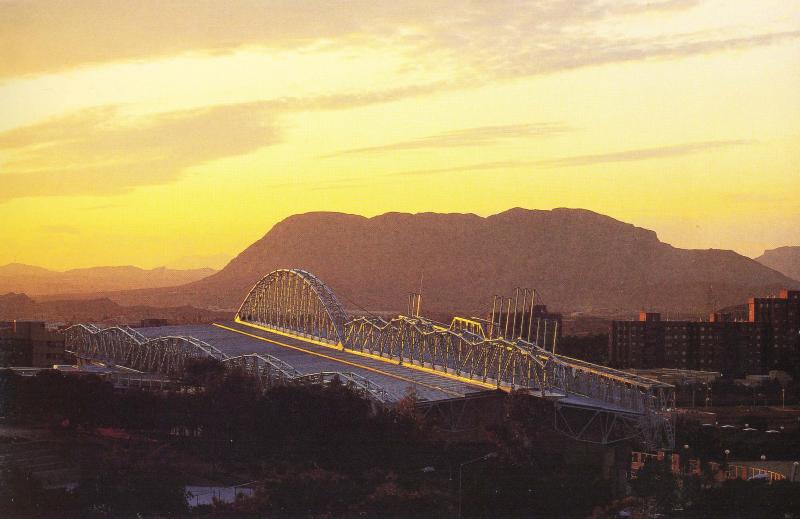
[479, 136]
[658, 152]
[103, 150]
[479, 166]
[584, 160]
[509, 38]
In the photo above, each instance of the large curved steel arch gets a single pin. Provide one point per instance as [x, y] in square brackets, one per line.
[295, 301]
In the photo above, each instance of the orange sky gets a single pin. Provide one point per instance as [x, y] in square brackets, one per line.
[153, 133]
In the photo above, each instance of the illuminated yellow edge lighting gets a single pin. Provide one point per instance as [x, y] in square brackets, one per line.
[360, 366]
[395, 362]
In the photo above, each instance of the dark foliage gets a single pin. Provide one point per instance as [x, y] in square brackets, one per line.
[591, 348]
[655, 480]
[744, 499]
[130, 489]
[709, 443]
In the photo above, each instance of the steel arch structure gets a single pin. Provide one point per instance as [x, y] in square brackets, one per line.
[593, 403]
[295, 301]
[614, 404]
[122, 346]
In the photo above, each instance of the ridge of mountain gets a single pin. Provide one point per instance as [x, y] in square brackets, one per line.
[577, 260]
[785, 260]
[18, 277]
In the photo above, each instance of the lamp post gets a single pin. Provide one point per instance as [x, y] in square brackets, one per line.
[727, 467]
[461, 467]
[685, 460]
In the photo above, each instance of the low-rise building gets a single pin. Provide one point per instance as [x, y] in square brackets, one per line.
[30, 343]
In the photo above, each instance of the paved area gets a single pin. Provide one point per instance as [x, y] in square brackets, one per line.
[235, 339]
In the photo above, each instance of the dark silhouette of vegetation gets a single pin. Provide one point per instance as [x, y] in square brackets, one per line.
[725, 392]
[129, 489]
[23, 494]
[655, 480]
[320, 451]
[708, 443]
[743, 499]
[591, 348]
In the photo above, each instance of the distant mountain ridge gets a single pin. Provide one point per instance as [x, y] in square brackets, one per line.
[20, 306]
[578, 260]
[785, 260]
[17, 277]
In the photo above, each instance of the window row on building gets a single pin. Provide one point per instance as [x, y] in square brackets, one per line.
[769, 339]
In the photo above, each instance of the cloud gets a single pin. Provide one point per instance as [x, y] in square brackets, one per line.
[585, 160]
[640, 154]
[512, 38]
[465, 137]
[103, 150]
[500, 164]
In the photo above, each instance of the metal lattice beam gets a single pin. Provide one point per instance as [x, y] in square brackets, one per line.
[121, 346]
[298, 303]
[295, 301]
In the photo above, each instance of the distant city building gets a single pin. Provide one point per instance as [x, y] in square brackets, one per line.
[30, 343]
[769, 339]
[779, 321]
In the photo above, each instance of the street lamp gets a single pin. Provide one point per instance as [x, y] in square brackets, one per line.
[685, 461]
[726, 466]
[470, 462]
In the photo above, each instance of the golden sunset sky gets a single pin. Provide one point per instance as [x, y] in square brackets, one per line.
[177, 133]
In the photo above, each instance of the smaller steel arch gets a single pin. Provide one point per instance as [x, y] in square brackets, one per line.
[123, 346]
[168, 355]
[264, 307]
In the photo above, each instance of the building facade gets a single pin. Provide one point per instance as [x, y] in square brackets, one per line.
[769, 339]
[30, 343]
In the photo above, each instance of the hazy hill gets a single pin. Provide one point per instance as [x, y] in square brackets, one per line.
[20, 306]
[785, 260]
[16, 277]
[578, 261]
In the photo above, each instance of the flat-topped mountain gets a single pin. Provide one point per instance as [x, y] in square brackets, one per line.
[16, 277]
[785, 260]
[577, 260]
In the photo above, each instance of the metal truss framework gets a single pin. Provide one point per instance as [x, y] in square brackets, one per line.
[121, 346]
[295, 301]
[463, 351]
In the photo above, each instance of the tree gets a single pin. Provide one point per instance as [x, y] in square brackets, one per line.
[656, 481]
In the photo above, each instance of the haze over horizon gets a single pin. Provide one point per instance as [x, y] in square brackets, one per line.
[218, 261]
[139, 133]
